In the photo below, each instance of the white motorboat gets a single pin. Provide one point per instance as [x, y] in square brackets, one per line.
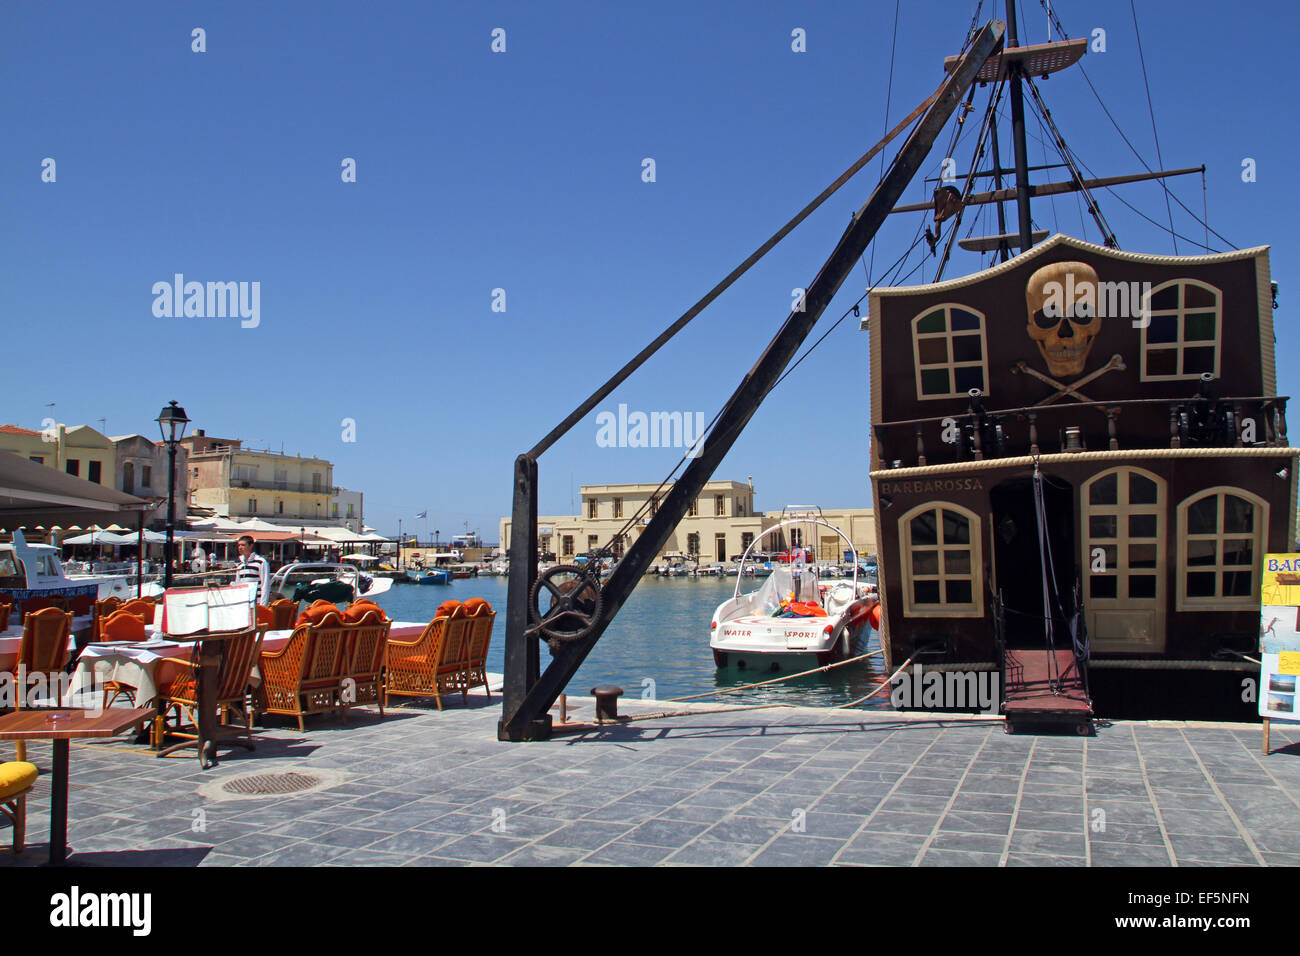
[337, 583]
[794, 618]
[35, 570]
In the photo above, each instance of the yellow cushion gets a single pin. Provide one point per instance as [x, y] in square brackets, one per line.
[15, 777]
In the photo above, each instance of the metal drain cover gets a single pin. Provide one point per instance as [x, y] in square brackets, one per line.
[271, 784]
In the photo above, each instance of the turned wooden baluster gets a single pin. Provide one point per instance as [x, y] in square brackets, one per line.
[1111, 415]
[1033, 433]
[1236, 423]
[979, 440]
[1174, 440]
[1281, 416]
[920, 447]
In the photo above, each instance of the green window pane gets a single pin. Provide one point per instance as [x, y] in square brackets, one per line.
[932, 351]
[1199, 327]
[956, 529]
[1105, 490]
[1141, 490]
[1238, 515]
[1203, 516]
[923, 529]
[934, 322]
[957, 592]
[934, 381]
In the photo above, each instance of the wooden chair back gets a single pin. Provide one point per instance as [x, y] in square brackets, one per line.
[283, 613]
[123, 626]
[44, 645]
[263, 616]
[32, 605]
[81, 605]
[240, 654]
[102, 611]
[140, 607]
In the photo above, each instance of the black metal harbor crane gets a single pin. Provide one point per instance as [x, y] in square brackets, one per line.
[583, 607]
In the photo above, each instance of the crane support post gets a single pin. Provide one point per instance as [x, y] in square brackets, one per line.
[527, 696]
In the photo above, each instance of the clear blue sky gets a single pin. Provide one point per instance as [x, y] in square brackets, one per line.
[523, 171]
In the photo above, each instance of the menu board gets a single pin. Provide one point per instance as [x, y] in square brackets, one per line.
[209, 610]
[1279, 638]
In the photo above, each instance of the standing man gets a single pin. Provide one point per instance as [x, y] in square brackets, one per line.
[252, 569]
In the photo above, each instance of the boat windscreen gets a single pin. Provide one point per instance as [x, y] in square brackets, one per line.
[781, 585]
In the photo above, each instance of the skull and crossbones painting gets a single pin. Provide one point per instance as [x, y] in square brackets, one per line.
[1061, 299]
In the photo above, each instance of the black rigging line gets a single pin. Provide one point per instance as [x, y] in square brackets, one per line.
[889, 93]
[1087, 79]
[995, 96]
[1152, 110]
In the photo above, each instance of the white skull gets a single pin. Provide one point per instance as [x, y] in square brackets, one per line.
[1063, 319]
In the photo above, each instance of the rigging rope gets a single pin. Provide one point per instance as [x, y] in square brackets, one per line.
[1152, 110]
[995, 95]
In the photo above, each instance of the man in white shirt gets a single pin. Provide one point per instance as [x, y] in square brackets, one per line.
[253, 569]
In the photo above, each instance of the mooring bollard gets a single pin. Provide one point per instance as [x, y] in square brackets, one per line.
[606, 702]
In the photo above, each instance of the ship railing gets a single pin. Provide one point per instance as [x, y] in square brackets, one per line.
[977, 434]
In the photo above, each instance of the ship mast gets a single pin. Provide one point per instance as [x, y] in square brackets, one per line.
[1018, 130]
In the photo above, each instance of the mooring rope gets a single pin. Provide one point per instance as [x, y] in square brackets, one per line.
[774, 680]
[886, 683]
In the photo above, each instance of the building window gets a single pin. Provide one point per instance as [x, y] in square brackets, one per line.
[1183, 331]
[941, 562]
[720, 546]
[279, 507]
[617, 545]
[746, 540]
[654, 507]
[694, 510]
[567, 545]
[1123, 541]
[36, 458]
[593, 542]
[350, 504]
[1220, 543]
[73, 466]
[146, 476]
[740, 507]
[719, 505]
[693, 544]
[591, 507]
[618, 507]
[796, 538]
[948, 342]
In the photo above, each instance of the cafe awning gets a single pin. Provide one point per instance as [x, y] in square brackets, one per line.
[32, 494]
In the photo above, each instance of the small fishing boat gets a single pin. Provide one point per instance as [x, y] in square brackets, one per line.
[794, 618]
[35, 570]
[434, 576]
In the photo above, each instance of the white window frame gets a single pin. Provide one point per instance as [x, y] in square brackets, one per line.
[1122, 511]
[976, 574]
[951, 365]
[1216, 603]
[1180, 343]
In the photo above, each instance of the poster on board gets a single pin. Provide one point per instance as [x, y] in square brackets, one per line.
[1279, 638]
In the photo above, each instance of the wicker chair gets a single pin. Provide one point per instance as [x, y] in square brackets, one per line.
[43, 650]
[101, 612]
[476, 648]
[81, 605]
[431, 665]
[368, 652]
[141, 608]
[122, 626]
[283, 614]
[306, 675]
[180, 696]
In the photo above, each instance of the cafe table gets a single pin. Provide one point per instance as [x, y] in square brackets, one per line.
[60, 726]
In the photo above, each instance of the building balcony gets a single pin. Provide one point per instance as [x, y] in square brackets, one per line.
[291, 487]
[980, 434]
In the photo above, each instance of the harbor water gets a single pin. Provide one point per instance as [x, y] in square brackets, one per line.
[658, 645]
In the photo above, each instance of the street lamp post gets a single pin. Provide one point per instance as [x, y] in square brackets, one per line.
[171, 424]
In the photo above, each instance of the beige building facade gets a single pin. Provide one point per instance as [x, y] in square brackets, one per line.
[239, 483]
[721, 524]
[79, 450]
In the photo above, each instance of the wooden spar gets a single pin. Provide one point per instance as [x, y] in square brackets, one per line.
[1052, 189]
[526, 701]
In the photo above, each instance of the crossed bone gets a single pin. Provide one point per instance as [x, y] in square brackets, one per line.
[1116, 362]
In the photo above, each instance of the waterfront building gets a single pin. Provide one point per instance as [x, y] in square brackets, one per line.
[141, 470]
[240, 483]
[78, 450]
[347, 509]
[718, 527]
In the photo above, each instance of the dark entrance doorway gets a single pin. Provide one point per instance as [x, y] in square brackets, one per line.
[1019, 564]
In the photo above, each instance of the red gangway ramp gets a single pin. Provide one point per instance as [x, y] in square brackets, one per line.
[1032, 696]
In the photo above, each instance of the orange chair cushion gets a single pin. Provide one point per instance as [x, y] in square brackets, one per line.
[358, 610]
[123, 627]
[474, 602]
[317, 613]
[446, 608]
